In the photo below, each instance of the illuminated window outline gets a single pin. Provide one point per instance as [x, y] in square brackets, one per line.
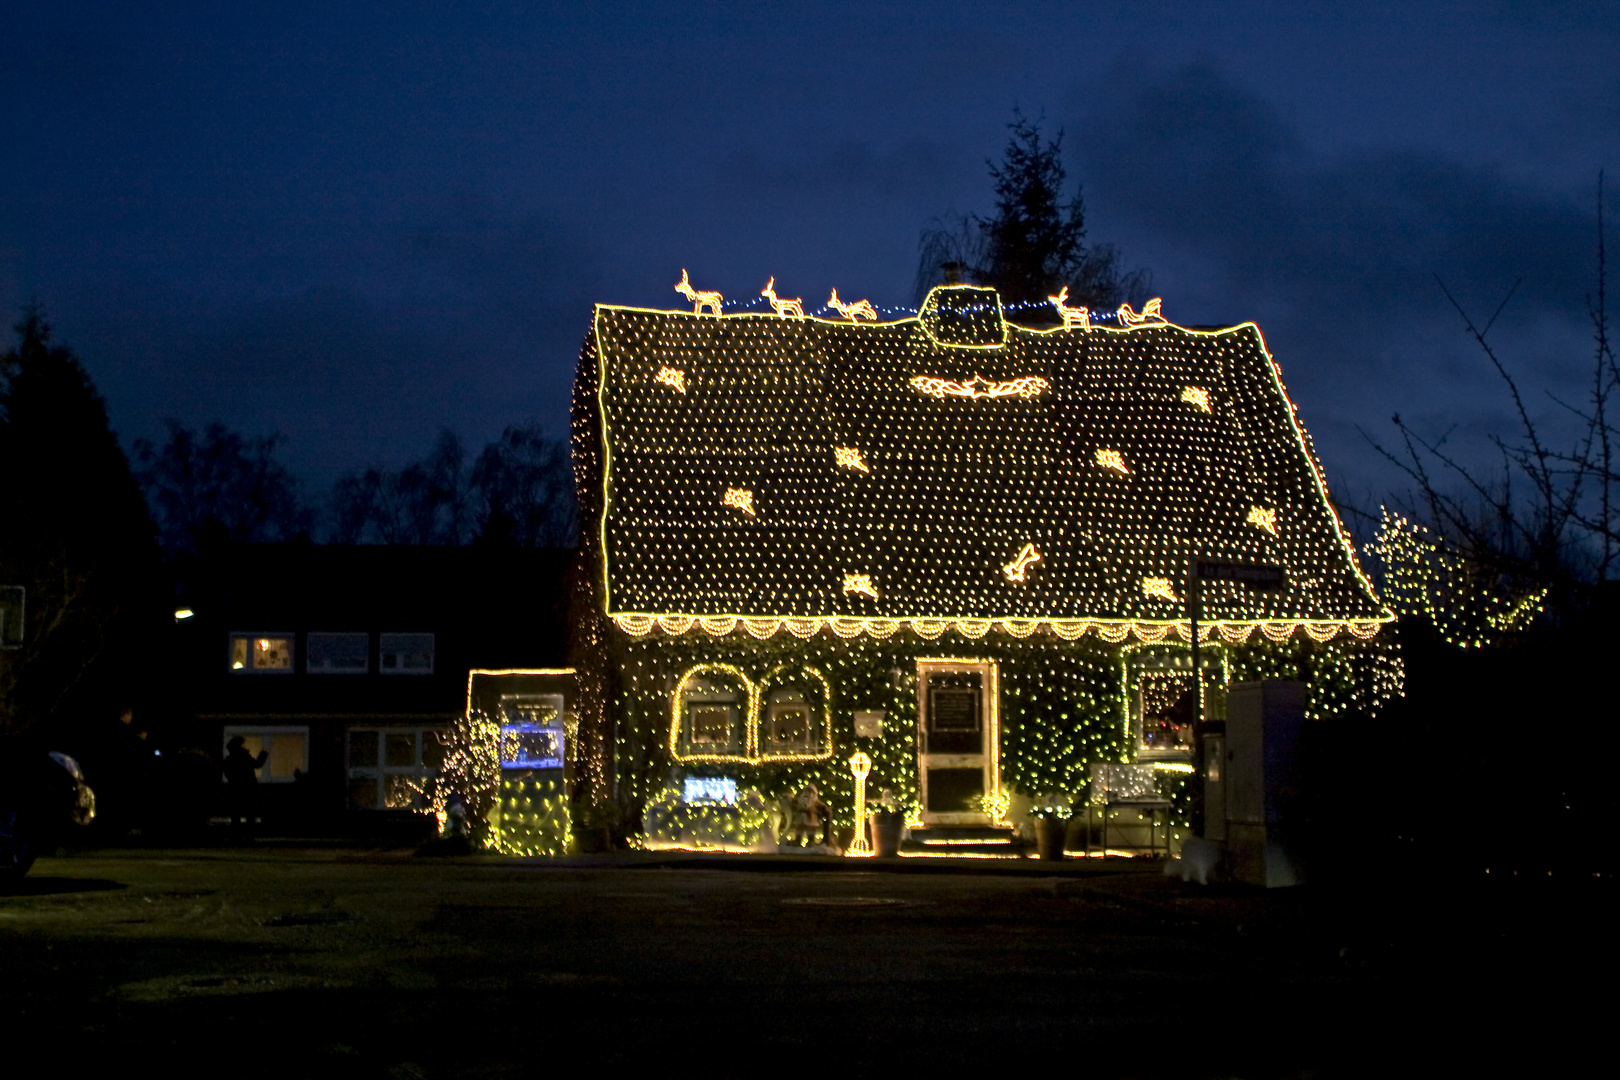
[532, 713]
[753, 694]
[1136, 659]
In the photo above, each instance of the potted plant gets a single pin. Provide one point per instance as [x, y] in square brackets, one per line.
[1050, 816]
[888, 825]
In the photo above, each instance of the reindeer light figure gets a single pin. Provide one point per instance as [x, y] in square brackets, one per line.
[793, 309]
[1150, 314]
[860, 309]
[700, 298]
[1072, 316]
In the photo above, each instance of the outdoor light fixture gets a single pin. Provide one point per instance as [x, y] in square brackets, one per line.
[181, 614]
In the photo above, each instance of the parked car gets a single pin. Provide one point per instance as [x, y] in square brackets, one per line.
[43, 797]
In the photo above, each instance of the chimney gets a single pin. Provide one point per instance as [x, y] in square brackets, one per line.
[953, 272]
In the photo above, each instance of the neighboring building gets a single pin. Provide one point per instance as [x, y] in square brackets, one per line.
[348, 665]
[951, 542]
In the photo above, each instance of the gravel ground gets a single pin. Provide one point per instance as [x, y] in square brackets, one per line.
[300, 961]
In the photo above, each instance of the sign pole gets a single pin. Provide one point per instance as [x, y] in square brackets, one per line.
[1192, 617]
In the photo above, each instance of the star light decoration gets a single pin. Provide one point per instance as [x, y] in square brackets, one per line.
[860, 585]
[1262, 518]
[741, 498]
[985, 430]
[1111, 459]
[1029, 386]
[850, 458]
[1162, 587]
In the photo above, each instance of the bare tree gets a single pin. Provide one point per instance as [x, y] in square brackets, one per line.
[1533, 537]
[218, 484]
[519, 492]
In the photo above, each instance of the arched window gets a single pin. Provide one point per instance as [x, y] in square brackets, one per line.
[718, 714]
[712, 710]
[795, 715]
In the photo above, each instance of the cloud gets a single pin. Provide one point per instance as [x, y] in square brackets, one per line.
[455, 316]
[1337, 256]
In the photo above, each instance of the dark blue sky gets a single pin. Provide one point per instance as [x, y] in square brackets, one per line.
[353, 224]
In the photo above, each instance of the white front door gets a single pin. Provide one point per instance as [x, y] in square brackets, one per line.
[957, 740]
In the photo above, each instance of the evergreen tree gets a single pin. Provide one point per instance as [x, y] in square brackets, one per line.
[74, 532]
[1036, 242]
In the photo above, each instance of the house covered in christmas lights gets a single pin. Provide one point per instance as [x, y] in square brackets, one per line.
[953, 543]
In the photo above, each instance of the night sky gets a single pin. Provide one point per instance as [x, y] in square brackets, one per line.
[355, 224]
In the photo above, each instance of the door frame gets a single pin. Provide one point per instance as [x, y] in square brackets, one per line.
[990, 710]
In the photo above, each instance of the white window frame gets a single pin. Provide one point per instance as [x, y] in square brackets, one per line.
[260, 732]
[291, 637]
[383, 651]
[309, 652]
[381, 771]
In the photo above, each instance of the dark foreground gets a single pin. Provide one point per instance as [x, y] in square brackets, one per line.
[297, 962]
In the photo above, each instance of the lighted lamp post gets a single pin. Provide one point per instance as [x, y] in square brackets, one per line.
[860, 765]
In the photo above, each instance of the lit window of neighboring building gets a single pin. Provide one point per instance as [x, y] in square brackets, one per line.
[287, 747]
[262, 653]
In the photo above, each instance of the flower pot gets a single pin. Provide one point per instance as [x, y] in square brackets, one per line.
[887, 825]
[1049, 834]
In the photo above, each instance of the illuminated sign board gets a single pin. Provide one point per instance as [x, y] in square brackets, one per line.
[710, 789]
[528, 745]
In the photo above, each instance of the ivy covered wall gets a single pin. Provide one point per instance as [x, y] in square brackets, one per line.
[1063, 705]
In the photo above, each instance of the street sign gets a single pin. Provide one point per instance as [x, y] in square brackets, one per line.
[1261, 577]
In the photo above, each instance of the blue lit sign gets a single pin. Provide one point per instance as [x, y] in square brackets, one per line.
[710, 789]
[527, 745]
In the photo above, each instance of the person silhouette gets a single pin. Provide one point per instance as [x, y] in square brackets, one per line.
[242, 785]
